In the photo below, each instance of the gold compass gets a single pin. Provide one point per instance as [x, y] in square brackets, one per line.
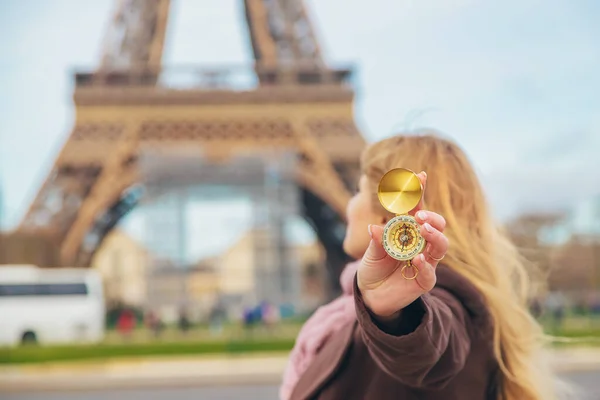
[399, 192]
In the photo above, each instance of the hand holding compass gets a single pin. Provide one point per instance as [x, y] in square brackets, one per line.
[393, 272]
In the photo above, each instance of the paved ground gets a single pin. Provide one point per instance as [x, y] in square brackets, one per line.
[588, 380]
[254, 392]
[181, 378]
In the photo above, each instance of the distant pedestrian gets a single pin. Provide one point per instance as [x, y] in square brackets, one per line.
[217, 318]
[536, 307]
[270, 316]
[250, 316]
[183, 321]
[556, 304]
[154, 323]
[126, 323]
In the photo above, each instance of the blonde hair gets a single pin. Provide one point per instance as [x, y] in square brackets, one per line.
[478, 251]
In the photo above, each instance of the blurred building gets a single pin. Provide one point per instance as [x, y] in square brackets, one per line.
[29, 248]
[582, 221]
[131, 277]
[122, 262]
[573, 244]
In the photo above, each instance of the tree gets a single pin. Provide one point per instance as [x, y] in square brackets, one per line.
[524, 232]
[575, 266]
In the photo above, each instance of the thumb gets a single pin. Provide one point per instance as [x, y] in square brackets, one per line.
[375, 252]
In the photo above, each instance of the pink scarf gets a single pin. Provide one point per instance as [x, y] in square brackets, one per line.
[327, 320]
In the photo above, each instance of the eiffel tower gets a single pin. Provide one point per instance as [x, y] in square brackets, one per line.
[297, 103]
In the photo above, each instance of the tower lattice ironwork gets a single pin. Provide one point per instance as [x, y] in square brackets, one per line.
[291, 101]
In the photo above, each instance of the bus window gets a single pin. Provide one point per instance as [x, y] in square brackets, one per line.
[17, 290]
[66, 289]
[55, 289]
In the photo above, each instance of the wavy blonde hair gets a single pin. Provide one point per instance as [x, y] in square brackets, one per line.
[478, 251]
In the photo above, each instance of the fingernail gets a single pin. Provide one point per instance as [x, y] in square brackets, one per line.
[422, 215]
[370, 232]
[428, 227]
[422, 259]
[424, 173]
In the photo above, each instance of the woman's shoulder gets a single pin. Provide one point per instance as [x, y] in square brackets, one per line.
[465, 292]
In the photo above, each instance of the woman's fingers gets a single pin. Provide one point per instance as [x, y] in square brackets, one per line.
[376, 254]
[426, 278]
[434, 219]
[437, 244]
[376, 265]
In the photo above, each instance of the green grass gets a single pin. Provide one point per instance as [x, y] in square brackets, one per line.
[37, 354]
[578, 337]
[574, 330]
[573, 325]
[230, 332]
[231, 340]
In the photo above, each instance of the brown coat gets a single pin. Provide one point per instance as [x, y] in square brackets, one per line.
[440, 348]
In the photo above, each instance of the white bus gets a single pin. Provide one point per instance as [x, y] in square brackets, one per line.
[50, 305]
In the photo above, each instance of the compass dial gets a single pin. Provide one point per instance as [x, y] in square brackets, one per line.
[401, 238]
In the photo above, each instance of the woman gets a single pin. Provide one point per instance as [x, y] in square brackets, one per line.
[460, 330]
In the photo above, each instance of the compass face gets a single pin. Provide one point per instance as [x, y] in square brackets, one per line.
[401, 238]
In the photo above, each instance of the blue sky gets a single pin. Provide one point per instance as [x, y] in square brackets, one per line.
[516, 82]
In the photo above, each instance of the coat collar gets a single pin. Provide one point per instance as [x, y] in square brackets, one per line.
[324, 365]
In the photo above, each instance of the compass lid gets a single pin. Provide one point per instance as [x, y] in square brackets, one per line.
[399, 191]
